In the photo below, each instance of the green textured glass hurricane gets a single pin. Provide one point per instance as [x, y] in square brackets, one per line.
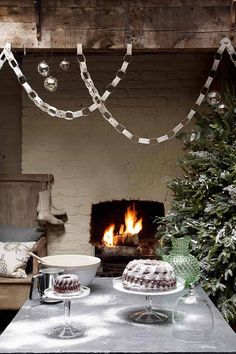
[185, 264]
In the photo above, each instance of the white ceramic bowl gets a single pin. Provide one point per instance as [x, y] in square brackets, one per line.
[85, 266]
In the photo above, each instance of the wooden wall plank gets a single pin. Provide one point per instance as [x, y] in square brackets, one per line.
[133, 3]
[84, 18]
[100, 40]
[17, 14]
[19, 3]
[116, 3]
[201, 19]
[106, 24]
[26, 177]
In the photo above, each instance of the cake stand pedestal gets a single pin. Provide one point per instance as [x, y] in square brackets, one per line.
[68, 329]
[148, 314]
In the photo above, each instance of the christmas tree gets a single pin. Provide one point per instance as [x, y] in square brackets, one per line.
[204, 201]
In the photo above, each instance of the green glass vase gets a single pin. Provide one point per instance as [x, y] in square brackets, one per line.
[184, 264]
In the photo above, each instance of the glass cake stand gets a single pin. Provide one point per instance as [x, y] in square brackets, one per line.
[67, 330]
[149, 314]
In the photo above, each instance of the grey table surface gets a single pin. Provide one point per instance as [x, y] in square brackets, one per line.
[104, 313]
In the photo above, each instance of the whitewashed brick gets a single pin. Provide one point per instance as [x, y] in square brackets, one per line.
[90, 161]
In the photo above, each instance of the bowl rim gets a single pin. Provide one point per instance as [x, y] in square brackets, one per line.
[49, 261]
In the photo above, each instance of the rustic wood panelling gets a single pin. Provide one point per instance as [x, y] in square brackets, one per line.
[115, 3]
[19, 198]
[15, 14]
[18, 206]
[108, 24]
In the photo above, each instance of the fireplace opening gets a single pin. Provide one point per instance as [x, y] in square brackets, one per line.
[122, 230]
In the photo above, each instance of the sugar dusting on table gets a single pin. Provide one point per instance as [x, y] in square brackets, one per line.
[99, 300]
[26, 333]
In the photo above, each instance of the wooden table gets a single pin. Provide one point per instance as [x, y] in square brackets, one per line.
[108, 329]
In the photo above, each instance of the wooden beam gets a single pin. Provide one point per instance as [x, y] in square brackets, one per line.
[37, 8]
[26, 178]
[100, 25]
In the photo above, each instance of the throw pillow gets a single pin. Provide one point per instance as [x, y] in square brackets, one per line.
[14, 257]
[12, 233]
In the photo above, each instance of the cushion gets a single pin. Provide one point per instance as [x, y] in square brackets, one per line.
[12, 233]
[14, 257]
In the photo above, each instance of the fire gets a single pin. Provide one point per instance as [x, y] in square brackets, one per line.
[108, 235]
[132, 226]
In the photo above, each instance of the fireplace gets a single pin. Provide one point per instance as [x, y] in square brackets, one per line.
[122, 230]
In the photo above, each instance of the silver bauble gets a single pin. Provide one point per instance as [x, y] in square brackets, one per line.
[64, 65]
[222, 109]
[213, 98]
[43, 68]
[50, 83]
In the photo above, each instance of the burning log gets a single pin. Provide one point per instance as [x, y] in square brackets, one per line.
[118, 251]
[128, 233]
[126, 240]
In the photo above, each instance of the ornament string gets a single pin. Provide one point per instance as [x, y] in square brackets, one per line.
[3, 58]
[7, 54]
[107, 115]
[99, 101]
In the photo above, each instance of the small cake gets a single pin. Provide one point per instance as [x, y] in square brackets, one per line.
[66, 283]
[148, 275]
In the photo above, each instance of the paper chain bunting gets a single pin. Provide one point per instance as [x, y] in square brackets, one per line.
[99, 101]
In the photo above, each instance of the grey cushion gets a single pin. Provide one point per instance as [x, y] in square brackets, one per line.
[12, 233]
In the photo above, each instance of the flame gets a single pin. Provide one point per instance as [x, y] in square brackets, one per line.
[132, 225]
[108, 235]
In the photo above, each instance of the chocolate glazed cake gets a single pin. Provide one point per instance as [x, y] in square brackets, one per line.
[66, 283]
[148, 275]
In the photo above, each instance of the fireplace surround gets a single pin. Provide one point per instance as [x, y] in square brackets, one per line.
[116, 254]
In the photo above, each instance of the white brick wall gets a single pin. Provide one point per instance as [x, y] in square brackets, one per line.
[90, 161]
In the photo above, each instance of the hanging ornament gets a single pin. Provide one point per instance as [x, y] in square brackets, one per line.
[213, 98]
[43, 68]
[64, 65]
[50, 83]
[222, 109]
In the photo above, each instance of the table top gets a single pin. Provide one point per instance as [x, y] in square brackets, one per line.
[104, 313]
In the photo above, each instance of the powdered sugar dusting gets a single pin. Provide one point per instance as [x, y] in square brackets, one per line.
[26, 333]
[99, 300]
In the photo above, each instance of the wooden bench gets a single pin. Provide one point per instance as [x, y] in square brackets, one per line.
[15, 291]
[18, 206]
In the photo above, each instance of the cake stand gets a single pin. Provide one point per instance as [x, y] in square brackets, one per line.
[67, 330]
[149, 314]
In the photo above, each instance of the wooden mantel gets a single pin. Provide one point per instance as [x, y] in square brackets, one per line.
[151, 25]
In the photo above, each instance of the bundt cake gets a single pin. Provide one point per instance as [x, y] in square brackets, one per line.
[148, 275]
[66, 283]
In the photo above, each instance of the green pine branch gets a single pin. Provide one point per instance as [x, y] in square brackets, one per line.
[204, 204]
